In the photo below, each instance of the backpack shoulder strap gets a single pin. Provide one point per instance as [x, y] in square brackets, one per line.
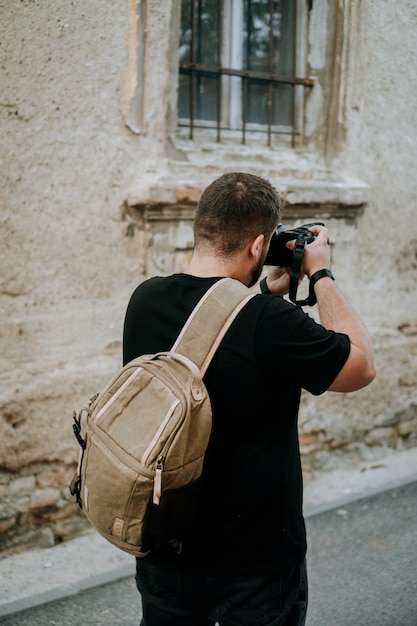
[210, 320]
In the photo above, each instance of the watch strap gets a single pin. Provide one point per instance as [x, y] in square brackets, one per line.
[264, 286]
[313, 279]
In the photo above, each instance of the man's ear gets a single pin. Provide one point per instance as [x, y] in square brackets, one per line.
[256, 247]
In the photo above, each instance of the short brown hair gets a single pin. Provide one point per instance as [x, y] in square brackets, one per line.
[234, 208]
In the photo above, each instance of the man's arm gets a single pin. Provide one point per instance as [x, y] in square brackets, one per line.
[335, 313]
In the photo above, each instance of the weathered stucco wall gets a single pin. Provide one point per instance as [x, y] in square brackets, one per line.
[66, 159]
[87, 206]
[378, 267]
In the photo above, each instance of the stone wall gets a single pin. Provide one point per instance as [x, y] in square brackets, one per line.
[99, 192]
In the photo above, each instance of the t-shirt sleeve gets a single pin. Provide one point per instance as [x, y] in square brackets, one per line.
[295, 347]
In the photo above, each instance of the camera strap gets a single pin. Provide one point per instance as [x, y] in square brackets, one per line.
[297, 259]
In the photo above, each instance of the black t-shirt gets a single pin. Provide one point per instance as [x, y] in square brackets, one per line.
[250, 516]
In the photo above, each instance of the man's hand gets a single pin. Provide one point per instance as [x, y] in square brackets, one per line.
[279, 280]
[317, 253]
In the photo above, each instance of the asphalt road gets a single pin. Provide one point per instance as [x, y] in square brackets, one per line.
[362, 572]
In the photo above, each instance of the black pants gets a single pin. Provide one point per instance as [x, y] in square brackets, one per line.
[176, 598]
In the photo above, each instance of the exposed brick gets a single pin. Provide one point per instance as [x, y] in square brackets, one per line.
[307, 439]
[406, 428]
[53, 478]
[22, 486]
[381, 437]
[5, 524]
[44, 499]
[188, 193]
[66, 512]
[408, 328]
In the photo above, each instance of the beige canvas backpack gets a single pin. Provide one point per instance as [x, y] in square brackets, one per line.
[145, 436]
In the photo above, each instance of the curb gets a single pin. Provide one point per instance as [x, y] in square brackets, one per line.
[112, 565]
[64, 591]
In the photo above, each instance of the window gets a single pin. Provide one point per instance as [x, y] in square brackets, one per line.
[239, 63]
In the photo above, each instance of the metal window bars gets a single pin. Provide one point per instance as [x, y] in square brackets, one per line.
[198, 70]
[195, 69]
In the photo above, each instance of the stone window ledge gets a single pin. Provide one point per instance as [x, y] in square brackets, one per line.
[307, 186]
[159, 209]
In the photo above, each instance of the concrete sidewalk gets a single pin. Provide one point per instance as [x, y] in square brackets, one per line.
[38, 576]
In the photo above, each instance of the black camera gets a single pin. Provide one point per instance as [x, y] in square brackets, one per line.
[278, 253]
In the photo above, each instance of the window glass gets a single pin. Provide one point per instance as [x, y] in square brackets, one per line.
[199, 43]
[268, 47]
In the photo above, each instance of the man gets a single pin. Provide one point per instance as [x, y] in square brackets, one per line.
[244, 561]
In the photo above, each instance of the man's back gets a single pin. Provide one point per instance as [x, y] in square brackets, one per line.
[250, 516]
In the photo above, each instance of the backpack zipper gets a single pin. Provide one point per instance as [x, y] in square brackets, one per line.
[161, 428]
[157, 483]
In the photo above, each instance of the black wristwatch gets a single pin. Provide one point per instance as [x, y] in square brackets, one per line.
[319, 274]
[313, 279]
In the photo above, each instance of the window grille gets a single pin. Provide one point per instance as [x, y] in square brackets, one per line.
[238, 67]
